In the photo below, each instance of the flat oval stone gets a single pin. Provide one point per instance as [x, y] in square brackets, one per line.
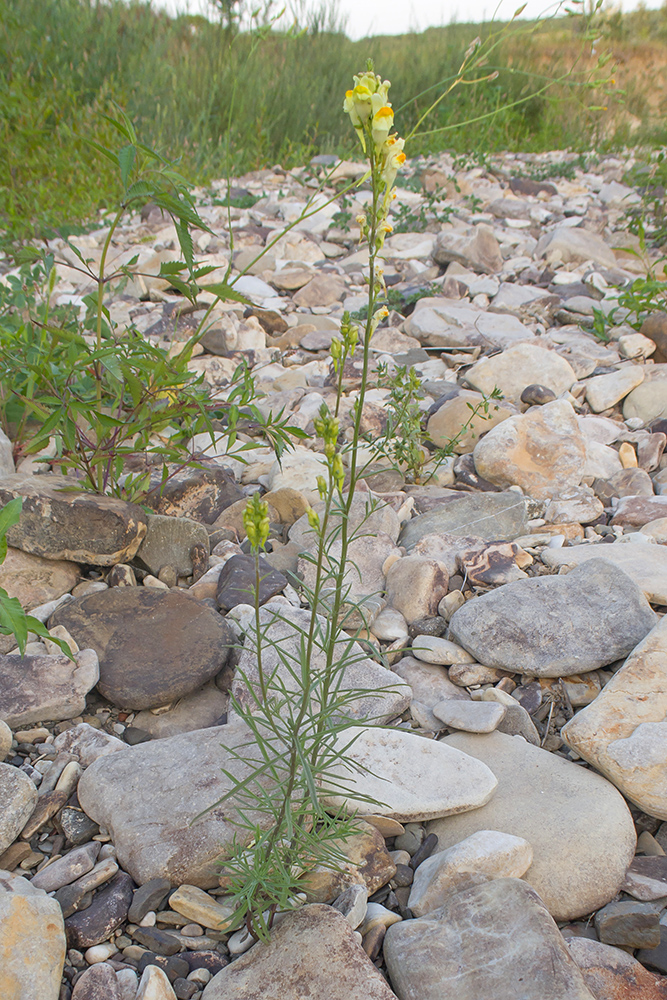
[553, 626]
[471, 716]
[154, 646]
[579, 863]
[413, 779]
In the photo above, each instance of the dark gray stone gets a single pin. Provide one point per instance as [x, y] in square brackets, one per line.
[148, 897]
[154, 646]
[161, 942]
[77, 827]
[628, 924]
[537, 395]
[554, 626]
[656, 958]
[236, 583]
[491, 516]
[106, 912]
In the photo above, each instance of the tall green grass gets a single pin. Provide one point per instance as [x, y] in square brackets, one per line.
[220, 101]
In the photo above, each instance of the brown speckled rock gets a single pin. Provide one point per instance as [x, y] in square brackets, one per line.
[154, 646]
[77, 526]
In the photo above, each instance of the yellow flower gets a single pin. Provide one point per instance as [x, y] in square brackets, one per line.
[394, 158]
[367, 97]
[382, 123]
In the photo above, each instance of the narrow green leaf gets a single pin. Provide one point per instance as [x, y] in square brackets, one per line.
[126, 158]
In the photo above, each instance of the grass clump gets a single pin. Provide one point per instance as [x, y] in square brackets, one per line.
[220, 100]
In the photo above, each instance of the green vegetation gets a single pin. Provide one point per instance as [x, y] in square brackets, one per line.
[13, 619]
[219, 100]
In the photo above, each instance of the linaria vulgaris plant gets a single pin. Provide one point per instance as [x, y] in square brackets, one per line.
[298, 707]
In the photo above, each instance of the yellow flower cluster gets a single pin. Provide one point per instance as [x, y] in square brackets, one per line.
[370, 111]
[372, 116]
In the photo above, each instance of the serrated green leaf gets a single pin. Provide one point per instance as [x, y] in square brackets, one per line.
[227, 293]
[100, 149]
[140, 189]
[170, 267]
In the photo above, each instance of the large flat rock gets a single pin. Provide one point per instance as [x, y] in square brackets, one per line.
[60, 521]
[491, 516]
[579, 861]
[623, 733]
[554, 626]
[154, 646]
[408, 778]
[542, 451]
[495, 940]
[149, 797]
[312, 953]
[645, 564]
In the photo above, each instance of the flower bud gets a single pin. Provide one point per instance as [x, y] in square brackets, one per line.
[256, 521]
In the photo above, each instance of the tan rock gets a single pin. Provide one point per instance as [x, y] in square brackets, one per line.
[416, 585]
[583, 867]
[322, 290]
[519, 366]
[32, 941]
[479, 251]
[449, 420]
[199, 907]
[623, 733]
[497, 854]
[5, 740]
[412, 778]
[288, 504]
[542, 451]
[35, 580]
[312, 952]
[604, 391]
[368, 864]
[155, 985]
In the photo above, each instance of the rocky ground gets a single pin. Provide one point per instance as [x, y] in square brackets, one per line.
[521, 853]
